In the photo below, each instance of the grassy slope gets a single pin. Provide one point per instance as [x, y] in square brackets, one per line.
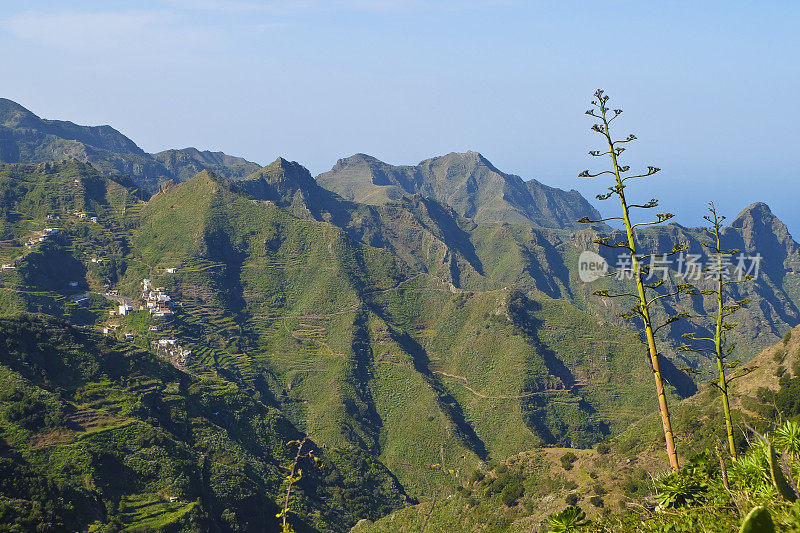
[621, 478]
[113, 432]
[333, 328]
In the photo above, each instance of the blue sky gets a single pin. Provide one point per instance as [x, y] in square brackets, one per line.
[710, 88]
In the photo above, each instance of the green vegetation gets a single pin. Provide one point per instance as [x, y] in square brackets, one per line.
[119, 434]
[434, 345]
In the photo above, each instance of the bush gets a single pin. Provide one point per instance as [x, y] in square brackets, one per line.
[603, 448]
[597, 501]
[688, 486]
[511, 493]
[634, 487]
[567, 459]
[476, 477]
[572, 498]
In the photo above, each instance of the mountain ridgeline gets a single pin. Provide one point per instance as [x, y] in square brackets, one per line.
[402, 317]
[26, 138]
[467, 182]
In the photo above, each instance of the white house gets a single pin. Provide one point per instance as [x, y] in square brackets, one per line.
[171, 270]
[125, 309]
[129, 336]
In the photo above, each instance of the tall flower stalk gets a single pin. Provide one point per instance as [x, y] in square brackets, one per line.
[725, 307]
[639, 270]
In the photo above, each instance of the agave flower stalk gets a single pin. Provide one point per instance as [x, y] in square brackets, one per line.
[725, 307]
[639, 269]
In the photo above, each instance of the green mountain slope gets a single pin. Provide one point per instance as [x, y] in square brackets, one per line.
[467, 182]
[98, 434]
[397, 335]
[331, 327]
[616, 477]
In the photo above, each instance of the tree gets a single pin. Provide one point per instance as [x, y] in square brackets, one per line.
[639, 270]
[725, 307]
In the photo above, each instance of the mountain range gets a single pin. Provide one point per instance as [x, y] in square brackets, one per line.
[26, 138]
[467, 182]
[400, 316]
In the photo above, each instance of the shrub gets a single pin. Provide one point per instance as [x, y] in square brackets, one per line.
[511, 493]
[567, 459]
[597, 501]
[572, 498]
[603, 448]
[688, 486]
[633, 487]
[476, 477]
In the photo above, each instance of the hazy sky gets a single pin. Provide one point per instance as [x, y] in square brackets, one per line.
[709, 87]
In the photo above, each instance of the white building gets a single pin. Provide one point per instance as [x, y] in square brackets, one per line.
[125, 309]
